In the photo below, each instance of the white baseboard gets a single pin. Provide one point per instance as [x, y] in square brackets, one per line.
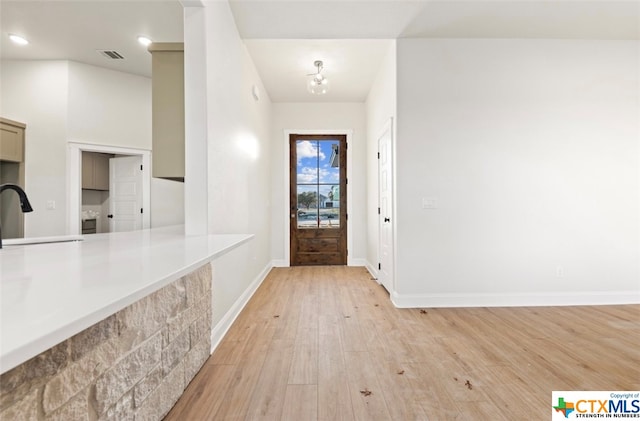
[280, 263]
[515, 300]
[222, 327]
[372, 270]
[356, 262]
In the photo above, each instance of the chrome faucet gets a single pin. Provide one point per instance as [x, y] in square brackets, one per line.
[25, 206]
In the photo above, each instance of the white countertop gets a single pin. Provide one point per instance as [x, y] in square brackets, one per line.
[49, 292]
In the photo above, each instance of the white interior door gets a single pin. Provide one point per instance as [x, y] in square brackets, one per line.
[385, 217]
[125, 191]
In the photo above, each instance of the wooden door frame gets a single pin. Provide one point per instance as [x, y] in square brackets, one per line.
[287, 178]
[74, 180]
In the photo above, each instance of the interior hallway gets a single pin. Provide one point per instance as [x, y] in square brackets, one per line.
[326, 343]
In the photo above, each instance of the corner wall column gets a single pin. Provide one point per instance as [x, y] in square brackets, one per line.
[196, 180]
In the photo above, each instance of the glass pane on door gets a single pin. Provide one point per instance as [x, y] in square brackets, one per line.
[329, 209]
[318, 183]
[307, 206]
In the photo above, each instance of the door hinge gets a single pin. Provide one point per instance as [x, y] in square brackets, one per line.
[378, 211]
[346, 181]
[378, 155]
[140, 167]
[379, 266]
[346, 216]
[140, 210]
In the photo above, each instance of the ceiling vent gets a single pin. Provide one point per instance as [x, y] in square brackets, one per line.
[111, 54]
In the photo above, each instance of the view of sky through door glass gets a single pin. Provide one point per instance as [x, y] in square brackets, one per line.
[318, 183]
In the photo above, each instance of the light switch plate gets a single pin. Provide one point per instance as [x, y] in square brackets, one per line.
[51, 204]
[429, 203]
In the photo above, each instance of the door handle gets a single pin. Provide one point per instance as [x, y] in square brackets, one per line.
[293, 215]
[387, 220]
[109, 216]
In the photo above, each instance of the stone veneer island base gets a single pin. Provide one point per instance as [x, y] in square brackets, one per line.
[134, 365]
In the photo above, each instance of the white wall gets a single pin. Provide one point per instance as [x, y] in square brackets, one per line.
[239, 160]
[319, 116]
[530, 149]
[107, 107]
[167, 202]
[63, 101]
[113, 108]
[35, 93]
[380, 106]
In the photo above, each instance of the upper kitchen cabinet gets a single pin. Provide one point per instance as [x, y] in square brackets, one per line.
[168, 110]
[95, 171]
[12, 165]
[11, 140]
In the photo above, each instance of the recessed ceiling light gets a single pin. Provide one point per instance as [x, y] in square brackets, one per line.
[144, 40]
[18, 39]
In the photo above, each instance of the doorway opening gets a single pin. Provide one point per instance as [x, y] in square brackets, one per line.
[111, 192]
[109, 188]
[318, 199]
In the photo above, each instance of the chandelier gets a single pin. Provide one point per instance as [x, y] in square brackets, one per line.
[317, 83]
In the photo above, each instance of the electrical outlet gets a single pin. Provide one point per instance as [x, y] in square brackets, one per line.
[429, 203]
[560, 272]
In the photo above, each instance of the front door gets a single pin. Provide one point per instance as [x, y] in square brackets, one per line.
[318, 198]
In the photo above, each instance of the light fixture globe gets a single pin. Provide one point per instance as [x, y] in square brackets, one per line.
[317, 83]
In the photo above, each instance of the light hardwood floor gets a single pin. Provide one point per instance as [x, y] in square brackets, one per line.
[325, 343]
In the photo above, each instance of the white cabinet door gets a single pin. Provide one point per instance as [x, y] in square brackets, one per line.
[125, 201]
[386, 218]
